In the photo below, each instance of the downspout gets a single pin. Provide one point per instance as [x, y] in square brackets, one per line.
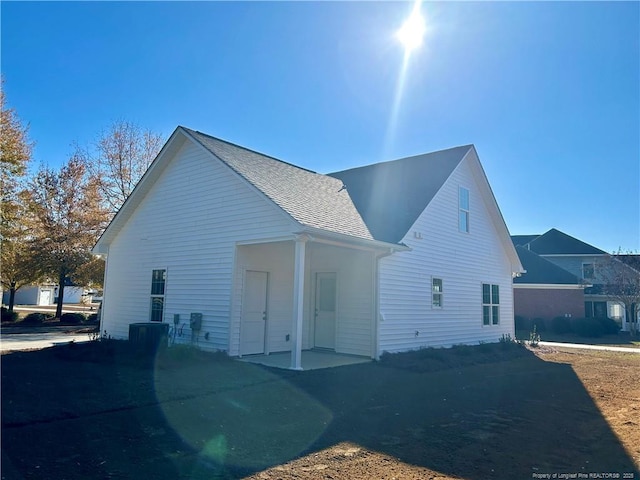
[101, 330]
[376, 301]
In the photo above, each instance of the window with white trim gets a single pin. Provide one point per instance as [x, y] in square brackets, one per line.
[588, 271]
[490, 304]
[436, 293]
[463, 210]
[158, 281]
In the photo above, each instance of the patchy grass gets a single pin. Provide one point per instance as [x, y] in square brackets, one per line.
[458, 356]
[102, 410]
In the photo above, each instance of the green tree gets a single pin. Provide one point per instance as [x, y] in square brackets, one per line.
[15, 147]
[18, 262]
[15, 155]
[66, 218]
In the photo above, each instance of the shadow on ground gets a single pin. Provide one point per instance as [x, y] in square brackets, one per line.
[98, 411]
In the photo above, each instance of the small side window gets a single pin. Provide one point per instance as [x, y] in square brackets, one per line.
[158, 282]
[436, 293]
[463, 210]
[490, 304]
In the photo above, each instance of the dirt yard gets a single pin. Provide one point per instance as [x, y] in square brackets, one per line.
[97, 411]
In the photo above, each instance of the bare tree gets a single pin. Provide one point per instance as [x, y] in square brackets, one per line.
[119, 158]
[15, 155]
[620, 277]
[66, 218]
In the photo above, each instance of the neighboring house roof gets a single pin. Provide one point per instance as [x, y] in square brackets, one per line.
[630, 259]
[312, 199]
[555, 242]
[540, 271]
[520, 240]
[391, 195]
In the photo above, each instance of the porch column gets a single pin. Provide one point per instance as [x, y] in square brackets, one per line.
[298, 302]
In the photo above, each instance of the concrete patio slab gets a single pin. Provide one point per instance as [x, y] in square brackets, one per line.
[311, 359]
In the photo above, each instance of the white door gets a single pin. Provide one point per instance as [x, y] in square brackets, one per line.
[254, 313]
[45, 297]
[325, 310]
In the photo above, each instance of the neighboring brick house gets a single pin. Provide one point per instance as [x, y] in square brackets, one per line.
[546, 290]
[581, 261]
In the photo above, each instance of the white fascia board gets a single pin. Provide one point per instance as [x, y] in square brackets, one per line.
[340, 239]
[261, 241]
[584, 255]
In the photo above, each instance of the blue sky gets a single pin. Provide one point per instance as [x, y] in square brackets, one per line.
[547, 91]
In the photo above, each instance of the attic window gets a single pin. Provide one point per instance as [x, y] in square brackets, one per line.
[463, 210]
[588, 271]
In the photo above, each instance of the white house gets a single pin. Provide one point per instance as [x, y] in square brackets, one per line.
[387, 257]
[45, 294]
[32, 295]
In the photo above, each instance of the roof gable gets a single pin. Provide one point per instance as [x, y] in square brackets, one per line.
[390, 196]
[311, 199]
[555, 242]
[542, 271]
[377, 203]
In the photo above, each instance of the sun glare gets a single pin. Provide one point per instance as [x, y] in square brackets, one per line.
[410, 36]
[412, 30]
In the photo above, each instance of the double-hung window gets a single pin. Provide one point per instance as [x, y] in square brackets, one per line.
[588, 271]
[490, 304]
[436, 293]
[463, 210]
[158, 281]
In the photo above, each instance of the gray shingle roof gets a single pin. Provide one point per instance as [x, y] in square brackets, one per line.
[522, 240]
[542, 271]
[312, 199]
[555, 242]
[391, 195]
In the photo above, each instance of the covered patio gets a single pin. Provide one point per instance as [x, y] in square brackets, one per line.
[311, 294]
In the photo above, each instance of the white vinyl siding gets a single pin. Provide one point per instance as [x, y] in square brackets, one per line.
[190, 222]
[194, 222]
[407, 317]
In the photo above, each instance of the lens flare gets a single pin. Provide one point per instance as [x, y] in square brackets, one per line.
[410, 35]
[413, 29]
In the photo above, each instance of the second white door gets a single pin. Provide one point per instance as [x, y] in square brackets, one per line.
[325, 311]
[254, 313]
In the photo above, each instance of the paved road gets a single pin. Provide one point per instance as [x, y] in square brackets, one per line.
[591, 347]
[17, 339]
